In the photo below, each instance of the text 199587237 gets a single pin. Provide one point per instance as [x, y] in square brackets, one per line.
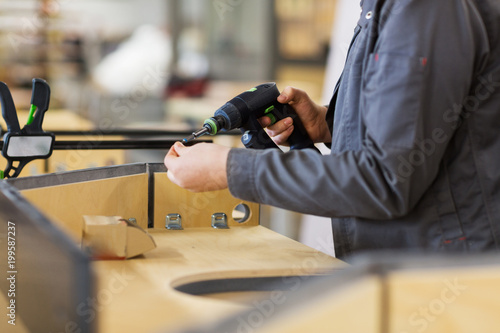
[11, 272]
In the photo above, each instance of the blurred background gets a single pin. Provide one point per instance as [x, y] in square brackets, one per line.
[167, 65]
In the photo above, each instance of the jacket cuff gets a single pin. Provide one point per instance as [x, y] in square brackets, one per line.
[241, 174]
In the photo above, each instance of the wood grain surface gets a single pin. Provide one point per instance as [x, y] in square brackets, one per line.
[67, 204]
[196, 209]
[138, 295]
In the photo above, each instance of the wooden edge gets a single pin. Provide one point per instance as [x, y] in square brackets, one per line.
[67, 204]
[196, 209]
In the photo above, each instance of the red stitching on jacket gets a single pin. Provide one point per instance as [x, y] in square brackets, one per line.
[450, 241]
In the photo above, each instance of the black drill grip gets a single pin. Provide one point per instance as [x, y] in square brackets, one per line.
[244, 110]
[299, 139]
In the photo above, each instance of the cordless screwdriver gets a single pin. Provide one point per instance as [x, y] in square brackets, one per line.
[243, 112]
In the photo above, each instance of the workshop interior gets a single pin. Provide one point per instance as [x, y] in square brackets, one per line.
[94, 237]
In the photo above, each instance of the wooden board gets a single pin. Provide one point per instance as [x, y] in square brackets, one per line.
[445, 300]
[196, 209]
[137, 295]
[355, 308]
[85, 158]
[67, 204]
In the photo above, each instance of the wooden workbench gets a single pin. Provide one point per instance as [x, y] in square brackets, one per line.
[380, 294]
[138, 295]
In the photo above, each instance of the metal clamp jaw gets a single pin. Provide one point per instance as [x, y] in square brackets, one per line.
[21, 146]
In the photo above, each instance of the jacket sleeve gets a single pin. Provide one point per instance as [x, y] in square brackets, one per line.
[415, 90]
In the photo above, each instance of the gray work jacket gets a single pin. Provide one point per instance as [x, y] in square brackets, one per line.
[415, 154]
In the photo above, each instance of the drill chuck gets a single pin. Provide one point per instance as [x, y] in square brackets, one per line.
[211, 126]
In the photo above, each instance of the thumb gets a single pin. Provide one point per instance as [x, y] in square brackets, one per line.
[179, 148]
[285, 95]
[292, 95]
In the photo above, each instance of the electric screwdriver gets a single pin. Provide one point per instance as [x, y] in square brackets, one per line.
[243, 112]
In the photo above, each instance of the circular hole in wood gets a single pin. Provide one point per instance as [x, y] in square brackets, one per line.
[241, 213]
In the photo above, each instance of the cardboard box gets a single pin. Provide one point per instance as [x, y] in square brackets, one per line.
[112, 237]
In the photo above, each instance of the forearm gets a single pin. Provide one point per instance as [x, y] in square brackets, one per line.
[350, 184]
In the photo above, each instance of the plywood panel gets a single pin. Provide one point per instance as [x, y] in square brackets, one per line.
[355, 309]
[445, 300]
[87, 155]
[196, 209]
[138, 295]
[66, 204]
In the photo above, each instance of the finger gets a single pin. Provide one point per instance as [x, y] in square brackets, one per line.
[265, 121]
[172, 152]
[292, 95]
[171, 176]
[282, 138]
[280, 127]
[179, 148]
[169, 160]
[284, 97]
[172, 156]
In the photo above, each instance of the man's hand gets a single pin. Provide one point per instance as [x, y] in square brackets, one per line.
[199, 168]
[311, 114]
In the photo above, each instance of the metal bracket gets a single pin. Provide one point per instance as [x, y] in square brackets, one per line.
[173, 222]
[219, 221]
